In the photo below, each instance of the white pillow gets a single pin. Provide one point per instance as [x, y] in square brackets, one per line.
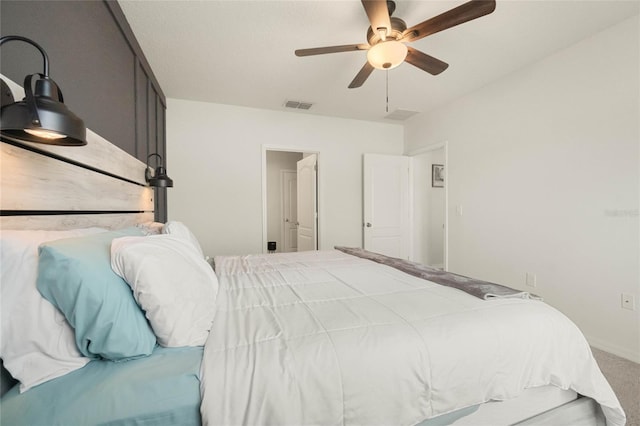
[37, 343]
[172, 282]
[179, 229]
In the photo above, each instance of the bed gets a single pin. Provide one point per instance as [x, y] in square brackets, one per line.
[326, 337]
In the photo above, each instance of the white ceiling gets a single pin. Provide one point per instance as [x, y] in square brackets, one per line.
[241, 52]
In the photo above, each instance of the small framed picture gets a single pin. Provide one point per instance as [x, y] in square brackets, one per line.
[437, 175]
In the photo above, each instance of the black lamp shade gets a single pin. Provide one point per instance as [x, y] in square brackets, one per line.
[160, 179]
[54, 117]
[42, 116]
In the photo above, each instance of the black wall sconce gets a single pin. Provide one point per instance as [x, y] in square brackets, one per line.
[42, 116]
[160, 178]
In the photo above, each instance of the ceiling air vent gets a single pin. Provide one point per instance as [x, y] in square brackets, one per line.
[401, 114]
[298, 104]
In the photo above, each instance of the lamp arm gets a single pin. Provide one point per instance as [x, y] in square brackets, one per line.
[147, 171]
[157, 155]
[45, 58]
[31, 101]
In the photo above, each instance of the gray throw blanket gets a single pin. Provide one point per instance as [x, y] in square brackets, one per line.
[481, 289]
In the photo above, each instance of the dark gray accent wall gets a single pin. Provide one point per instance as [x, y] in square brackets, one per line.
[99, 66]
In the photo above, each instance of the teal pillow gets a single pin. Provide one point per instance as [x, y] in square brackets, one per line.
[75, 275]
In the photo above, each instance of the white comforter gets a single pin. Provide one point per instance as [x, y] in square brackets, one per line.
[325, 338]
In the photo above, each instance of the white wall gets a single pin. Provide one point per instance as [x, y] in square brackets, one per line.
[428, 210]
[545, 163]
[215, 159]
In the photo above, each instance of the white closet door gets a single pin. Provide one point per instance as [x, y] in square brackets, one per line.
[386, 205]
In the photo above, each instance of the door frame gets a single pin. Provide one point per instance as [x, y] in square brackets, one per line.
[433, 147]
[268, 147]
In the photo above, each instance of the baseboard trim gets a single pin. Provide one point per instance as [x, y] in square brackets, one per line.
[614, 349]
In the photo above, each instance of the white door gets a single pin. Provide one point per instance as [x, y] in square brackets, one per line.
[307, 203]
[289, 210]
[386, 205]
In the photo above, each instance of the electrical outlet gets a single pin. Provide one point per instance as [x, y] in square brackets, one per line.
[530, 279]
[628, 301]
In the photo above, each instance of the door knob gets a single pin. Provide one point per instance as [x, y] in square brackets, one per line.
[368, 225]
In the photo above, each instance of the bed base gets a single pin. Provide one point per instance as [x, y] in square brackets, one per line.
[583, 411]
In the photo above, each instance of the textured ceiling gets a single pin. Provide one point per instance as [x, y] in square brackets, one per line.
[241, 52]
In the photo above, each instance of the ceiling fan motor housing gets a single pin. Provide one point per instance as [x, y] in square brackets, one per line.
[397, 28]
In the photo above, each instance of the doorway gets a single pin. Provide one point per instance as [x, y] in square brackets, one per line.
[430, 200]
[287, 181]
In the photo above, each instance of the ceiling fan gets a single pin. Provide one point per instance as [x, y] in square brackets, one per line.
[387, 36]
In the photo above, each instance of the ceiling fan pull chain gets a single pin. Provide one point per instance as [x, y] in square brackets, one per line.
[387, 90]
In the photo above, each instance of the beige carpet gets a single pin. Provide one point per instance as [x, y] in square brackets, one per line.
[624, 377]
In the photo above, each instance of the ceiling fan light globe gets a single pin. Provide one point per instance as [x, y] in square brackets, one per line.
[387, 55]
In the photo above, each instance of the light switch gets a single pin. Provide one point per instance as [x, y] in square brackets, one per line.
[531, 279]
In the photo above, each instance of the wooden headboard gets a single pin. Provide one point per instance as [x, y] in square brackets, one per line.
[60, 187]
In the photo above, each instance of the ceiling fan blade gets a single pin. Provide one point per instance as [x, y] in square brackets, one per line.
[362, 76]
[425, 62]
[378, 14]
[331, 49]
[456, 16]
